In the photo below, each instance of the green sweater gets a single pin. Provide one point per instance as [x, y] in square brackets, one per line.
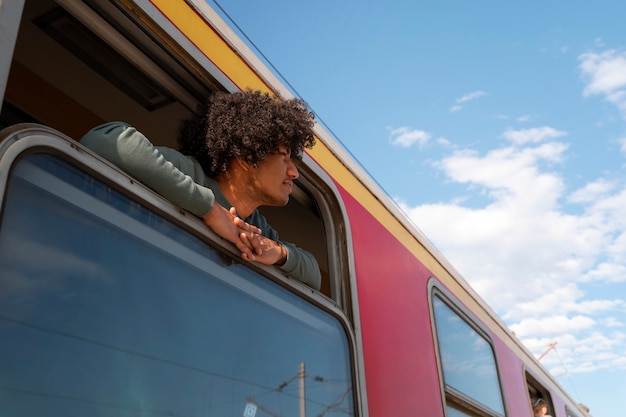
[182, 180]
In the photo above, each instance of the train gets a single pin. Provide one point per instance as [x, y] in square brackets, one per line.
[116, 302]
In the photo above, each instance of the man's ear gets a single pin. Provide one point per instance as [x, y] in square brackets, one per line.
[241, 165]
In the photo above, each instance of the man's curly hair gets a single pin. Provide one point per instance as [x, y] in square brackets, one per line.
[248, 125]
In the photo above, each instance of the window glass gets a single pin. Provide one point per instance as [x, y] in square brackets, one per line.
[467, 359]
[107, 309]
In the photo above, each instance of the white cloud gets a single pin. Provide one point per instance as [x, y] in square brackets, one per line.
[612, 322]
[607, 272]
[566, 299]
[593, 351]
[406, 137]
[533, 260]
[592, 192]
[444, 142]
[534, 135]
[550, 325]
[471, 96]
[508, 173]
[605, 75]
[466, 98]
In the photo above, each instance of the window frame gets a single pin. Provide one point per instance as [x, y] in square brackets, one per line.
[20, 140]
[450, 396]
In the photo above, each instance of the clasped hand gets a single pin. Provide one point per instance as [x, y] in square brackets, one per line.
[246, 237]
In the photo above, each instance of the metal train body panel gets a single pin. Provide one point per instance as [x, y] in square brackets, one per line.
[398, 350]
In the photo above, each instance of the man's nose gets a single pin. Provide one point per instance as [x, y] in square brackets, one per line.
[292, 170]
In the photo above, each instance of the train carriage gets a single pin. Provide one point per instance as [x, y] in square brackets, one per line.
[115, 302]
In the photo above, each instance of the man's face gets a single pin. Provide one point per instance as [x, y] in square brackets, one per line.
[274, 178]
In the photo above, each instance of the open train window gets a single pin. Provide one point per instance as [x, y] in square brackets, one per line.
[468, 365]
[59, 77]
[540, 399]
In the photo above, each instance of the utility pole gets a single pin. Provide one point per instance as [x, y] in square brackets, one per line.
[550, 347]
[252, 405]
[302, 395]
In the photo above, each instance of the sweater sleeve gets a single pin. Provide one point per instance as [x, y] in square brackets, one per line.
[300, 264]
[168, 172]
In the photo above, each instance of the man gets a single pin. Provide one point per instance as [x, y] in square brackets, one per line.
[236, 154]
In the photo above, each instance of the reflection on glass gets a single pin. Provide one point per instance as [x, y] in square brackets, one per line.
[467, 359]
[108, 310]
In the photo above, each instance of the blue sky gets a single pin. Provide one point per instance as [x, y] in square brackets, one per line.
[501, 131]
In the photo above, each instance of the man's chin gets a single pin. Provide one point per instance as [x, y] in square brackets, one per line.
[278, 203]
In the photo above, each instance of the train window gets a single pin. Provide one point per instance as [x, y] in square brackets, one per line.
[468, 363]
[59, 61]
[107, 308]
[539, 396]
